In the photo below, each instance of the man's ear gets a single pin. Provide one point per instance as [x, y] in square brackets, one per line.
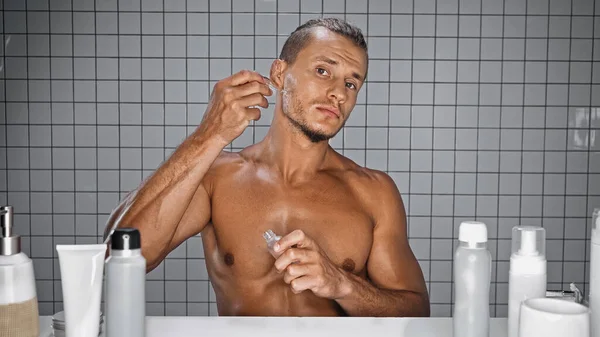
[277, 75]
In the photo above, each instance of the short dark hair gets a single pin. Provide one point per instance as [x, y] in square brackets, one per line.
[302, 35]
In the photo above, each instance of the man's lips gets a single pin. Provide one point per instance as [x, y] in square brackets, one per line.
[331, 110]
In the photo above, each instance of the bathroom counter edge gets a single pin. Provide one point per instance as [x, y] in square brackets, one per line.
[184, 326]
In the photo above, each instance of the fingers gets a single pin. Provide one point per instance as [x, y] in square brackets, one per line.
[303, 283]
[295, 271]
[253, 87]
[253, 114]
[297, 238]
[245, 76]
[293, 255]
[255, 99]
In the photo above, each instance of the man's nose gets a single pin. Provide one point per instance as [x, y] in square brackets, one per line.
[338, 92]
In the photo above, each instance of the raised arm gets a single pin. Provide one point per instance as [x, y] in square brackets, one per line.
[160, 207]
[172, 204]
[397, 286]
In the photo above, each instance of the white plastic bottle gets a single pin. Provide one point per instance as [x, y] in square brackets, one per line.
[594, 292]
[19, 315]
[125, 307]
[527, 275]
[472, 276]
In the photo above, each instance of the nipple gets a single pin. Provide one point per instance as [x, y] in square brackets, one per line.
[229, 259]
[348, 265]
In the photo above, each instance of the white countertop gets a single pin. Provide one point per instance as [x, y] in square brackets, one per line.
[194, 326]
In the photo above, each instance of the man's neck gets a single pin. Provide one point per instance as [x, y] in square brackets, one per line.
[288, 150]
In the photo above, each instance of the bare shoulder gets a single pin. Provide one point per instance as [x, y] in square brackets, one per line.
[364, 178]
[376, 189]
[225, 160]
[225, 165]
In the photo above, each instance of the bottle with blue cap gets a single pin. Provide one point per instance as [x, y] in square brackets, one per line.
[472, 277]
[125, 303]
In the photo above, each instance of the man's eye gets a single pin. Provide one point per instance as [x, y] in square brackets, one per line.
[321, 71]
[351, 85]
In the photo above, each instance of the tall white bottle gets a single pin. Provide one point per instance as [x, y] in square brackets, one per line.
[594, 292]
[125, 285]
[527, 275]
[472, 276]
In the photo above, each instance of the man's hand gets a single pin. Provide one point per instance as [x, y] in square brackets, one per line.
[232, 105]
[307, 267]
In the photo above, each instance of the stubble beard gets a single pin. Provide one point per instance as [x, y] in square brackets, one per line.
[292, 109]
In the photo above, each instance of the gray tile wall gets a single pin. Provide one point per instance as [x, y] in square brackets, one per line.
[478, 109]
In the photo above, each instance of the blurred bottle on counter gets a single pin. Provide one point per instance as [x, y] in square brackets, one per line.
[125, 303]
[594, 292]
[472, 277]
[527, 275]
[19, 315]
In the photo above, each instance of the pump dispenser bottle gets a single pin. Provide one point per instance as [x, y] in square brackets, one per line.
[527, 275]
[19, 315]
[594, 292]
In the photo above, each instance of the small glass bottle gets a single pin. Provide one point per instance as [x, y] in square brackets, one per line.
[271, 240]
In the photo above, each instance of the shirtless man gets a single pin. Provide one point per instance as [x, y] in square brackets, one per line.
[344, 247]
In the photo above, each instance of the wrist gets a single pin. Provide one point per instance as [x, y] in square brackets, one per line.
[207, 140]
[347, 285]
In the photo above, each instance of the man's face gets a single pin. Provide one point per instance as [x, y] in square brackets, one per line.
[321, 86]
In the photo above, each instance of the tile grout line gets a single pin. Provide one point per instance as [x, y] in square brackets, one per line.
[187, 305]
[521, 199]
[28, 119]
[543, 174]
[54, 296]
[4, 103]
[566, 167]
[209, 91]
[290, 12]
[589, 152]
[454, 151]
[431, 205]
[502, 104]
[366, 130]
[74, 138]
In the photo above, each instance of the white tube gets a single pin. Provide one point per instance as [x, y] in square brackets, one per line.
[81, 270]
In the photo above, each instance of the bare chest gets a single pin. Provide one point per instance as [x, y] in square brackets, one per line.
[241, 212]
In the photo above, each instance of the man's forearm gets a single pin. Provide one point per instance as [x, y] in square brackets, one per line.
[160, 201]
[173, 184]
[361, 298]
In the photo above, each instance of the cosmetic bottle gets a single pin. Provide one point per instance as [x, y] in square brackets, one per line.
[125, 305]
[527, 275]
[271, 239]
[472, 277]
[19, 314]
